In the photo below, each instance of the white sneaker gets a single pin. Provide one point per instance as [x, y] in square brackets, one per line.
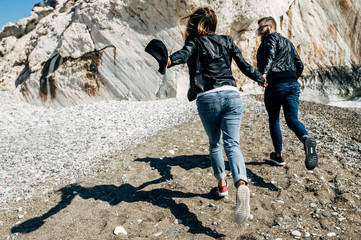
[223, 191]
[242, 210]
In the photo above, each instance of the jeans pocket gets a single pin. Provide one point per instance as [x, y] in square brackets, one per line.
[295, 91]
[235, 104]
[205, 105]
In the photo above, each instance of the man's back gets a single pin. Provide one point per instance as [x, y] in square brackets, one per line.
[278, 59]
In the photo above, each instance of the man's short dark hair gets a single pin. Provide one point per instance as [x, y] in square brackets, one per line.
[269, 20]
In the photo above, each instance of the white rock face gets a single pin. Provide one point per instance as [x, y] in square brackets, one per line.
[69, 52]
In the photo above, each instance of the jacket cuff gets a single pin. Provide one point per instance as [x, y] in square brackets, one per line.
[171, 61]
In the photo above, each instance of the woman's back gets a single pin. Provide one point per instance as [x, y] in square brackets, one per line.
[209, 59]
[215, 56]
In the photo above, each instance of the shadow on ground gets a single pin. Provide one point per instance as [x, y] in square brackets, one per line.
[259, 181]
[159, 197]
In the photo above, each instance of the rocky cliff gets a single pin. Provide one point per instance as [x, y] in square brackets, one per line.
[74, 51]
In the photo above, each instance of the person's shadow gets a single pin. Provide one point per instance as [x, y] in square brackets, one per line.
[259, 181]
[163, 198]
[165, 165]
[114, 195]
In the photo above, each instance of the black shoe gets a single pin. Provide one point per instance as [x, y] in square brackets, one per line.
[279, 161]
[311, 154]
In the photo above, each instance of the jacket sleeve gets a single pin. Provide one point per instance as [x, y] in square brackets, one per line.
[298, 63]
[244, 66]
[181, 56]
[269, 54]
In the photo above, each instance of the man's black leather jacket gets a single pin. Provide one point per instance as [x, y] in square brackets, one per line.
[209, 60]
[278, 59]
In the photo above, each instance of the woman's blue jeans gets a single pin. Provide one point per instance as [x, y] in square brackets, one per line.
[287, 96]
[221, 113]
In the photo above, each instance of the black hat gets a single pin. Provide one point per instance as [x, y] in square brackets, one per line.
[158, 50]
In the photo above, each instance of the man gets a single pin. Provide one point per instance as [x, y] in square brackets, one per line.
[281, 65]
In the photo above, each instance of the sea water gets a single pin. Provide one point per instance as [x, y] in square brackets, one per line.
[354, 103]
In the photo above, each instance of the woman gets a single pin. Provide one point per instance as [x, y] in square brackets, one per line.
[209, 57]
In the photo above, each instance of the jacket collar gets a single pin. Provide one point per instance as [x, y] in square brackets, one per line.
[269, 35]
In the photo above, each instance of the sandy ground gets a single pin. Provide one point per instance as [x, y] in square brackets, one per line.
[164, 188]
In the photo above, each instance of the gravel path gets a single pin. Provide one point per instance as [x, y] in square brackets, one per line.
[42, 148]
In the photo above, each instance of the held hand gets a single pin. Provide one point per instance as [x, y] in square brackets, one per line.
[265, 83]
[169, 62]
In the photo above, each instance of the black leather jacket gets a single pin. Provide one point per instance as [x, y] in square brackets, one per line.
[278, 59]
[209, 60]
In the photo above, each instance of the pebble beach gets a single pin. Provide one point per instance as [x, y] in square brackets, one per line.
[139, 170]
[42, 148]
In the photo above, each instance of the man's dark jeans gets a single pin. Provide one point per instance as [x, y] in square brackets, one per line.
[285, 95]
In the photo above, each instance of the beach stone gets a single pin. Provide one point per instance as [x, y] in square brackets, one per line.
[278, 200]
[331, 234]
[296, 233]
[287, 218]
[157, 234]
[178, 221]
[313, 205]
[120, 230]
[326, 214]
[174, 233]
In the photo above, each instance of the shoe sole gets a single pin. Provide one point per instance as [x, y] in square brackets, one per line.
[311, 154]
[242, 210]
[277, 163]
[222, 194]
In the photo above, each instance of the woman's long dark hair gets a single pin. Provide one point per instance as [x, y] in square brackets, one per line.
[202, 21]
